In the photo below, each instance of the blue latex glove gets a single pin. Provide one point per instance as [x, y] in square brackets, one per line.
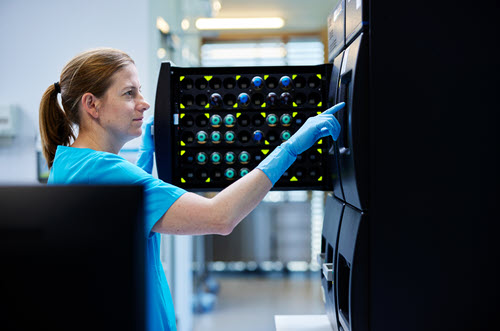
[313, 129]
[147, 147]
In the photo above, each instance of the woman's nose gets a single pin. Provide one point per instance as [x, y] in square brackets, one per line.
[144, 105]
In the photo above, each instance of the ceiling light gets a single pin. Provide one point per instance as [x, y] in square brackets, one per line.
[162, 25]
[216, 6]
[161, 53]
[239, 23]
[185, 24]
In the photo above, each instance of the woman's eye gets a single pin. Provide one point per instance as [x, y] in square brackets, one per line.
[128, 93]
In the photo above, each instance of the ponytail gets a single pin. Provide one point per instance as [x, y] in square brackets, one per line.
[55, 127]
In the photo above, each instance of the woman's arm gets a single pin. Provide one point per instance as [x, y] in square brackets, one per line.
[195, 215]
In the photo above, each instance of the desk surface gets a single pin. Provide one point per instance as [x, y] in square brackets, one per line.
[302, 323]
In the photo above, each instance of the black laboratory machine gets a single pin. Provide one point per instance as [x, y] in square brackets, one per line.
[397, 175]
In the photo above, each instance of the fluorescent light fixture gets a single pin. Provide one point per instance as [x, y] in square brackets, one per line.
[162, 25]
[185, 24]
[161, 53]
[247, 53]
[239, 23]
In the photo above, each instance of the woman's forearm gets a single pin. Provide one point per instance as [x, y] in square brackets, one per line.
[237, 200]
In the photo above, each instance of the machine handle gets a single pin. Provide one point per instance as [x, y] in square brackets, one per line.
[328, 271]
[320, 258]
[344, 151]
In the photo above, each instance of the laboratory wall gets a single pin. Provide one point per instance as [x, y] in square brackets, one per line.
[38, 38]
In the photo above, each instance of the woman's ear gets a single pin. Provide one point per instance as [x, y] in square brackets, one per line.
[89, 105]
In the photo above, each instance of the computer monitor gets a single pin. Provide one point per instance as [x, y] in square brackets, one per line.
[72, 258]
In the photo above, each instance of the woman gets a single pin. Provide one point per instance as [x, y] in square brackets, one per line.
[101, 94]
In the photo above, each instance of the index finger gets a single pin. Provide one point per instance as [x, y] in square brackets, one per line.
[335, 108]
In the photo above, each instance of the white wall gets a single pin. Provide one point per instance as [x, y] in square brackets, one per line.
[38, 38]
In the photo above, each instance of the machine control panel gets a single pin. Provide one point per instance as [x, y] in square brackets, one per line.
[221, 123]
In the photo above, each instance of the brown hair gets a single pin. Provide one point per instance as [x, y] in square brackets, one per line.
[90, 71]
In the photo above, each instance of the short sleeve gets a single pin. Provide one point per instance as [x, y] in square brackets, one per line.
[158, 195]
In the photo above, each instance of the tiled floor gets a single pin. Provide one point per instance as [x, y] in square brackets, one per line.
[250, 303]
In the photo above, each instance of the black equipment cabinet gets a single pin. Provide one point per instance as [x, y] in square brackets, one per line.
[406, 241]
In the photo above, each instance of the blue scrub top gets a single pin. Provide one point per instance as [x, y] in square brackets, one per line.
[86, 166]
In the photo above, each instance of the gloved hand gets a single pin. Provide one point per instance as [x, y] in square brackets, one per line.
[146, 148]
[313, 129]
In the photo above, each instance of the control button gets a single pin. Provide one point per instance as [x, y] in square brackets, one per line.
[244, 171]
[285, 135]
[201, 120]
[229, 83]
[272, 136]
[229, 120]
[285, 83]
[244, 157]
[272, 99]
[257, 136]
[187, 121]
[243, 83]
[187, 83]
[201, 83]
[257, 120]
[215, 158]
[243, 120]
[257, 83]
[201, 158]
[229, 157]
[215, 121]
[201, 137]
[216, 100]
[229, 173]
[271, 120]
[244, 136]
[215, 137]
[215, 83]
[299, 82]
[271, 82]
[229, 137]
[286, 99]
[229, 99]
[243, 99]
[286, 119]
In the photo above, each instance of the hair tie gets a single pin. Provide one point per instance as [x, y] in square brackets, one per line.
[57, 87]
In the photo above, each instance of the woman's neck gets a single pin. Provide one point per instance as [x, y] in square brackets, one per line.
[85, 140]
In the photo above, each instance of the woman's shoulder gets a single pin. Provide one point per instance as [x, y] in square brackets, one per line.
[92, 165]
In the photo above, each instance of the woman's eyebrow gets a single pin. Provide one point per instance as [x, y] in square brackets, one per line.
[132, 87]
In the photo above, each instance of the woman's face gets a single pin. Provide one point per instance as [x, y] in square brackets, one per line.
[122, 107]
